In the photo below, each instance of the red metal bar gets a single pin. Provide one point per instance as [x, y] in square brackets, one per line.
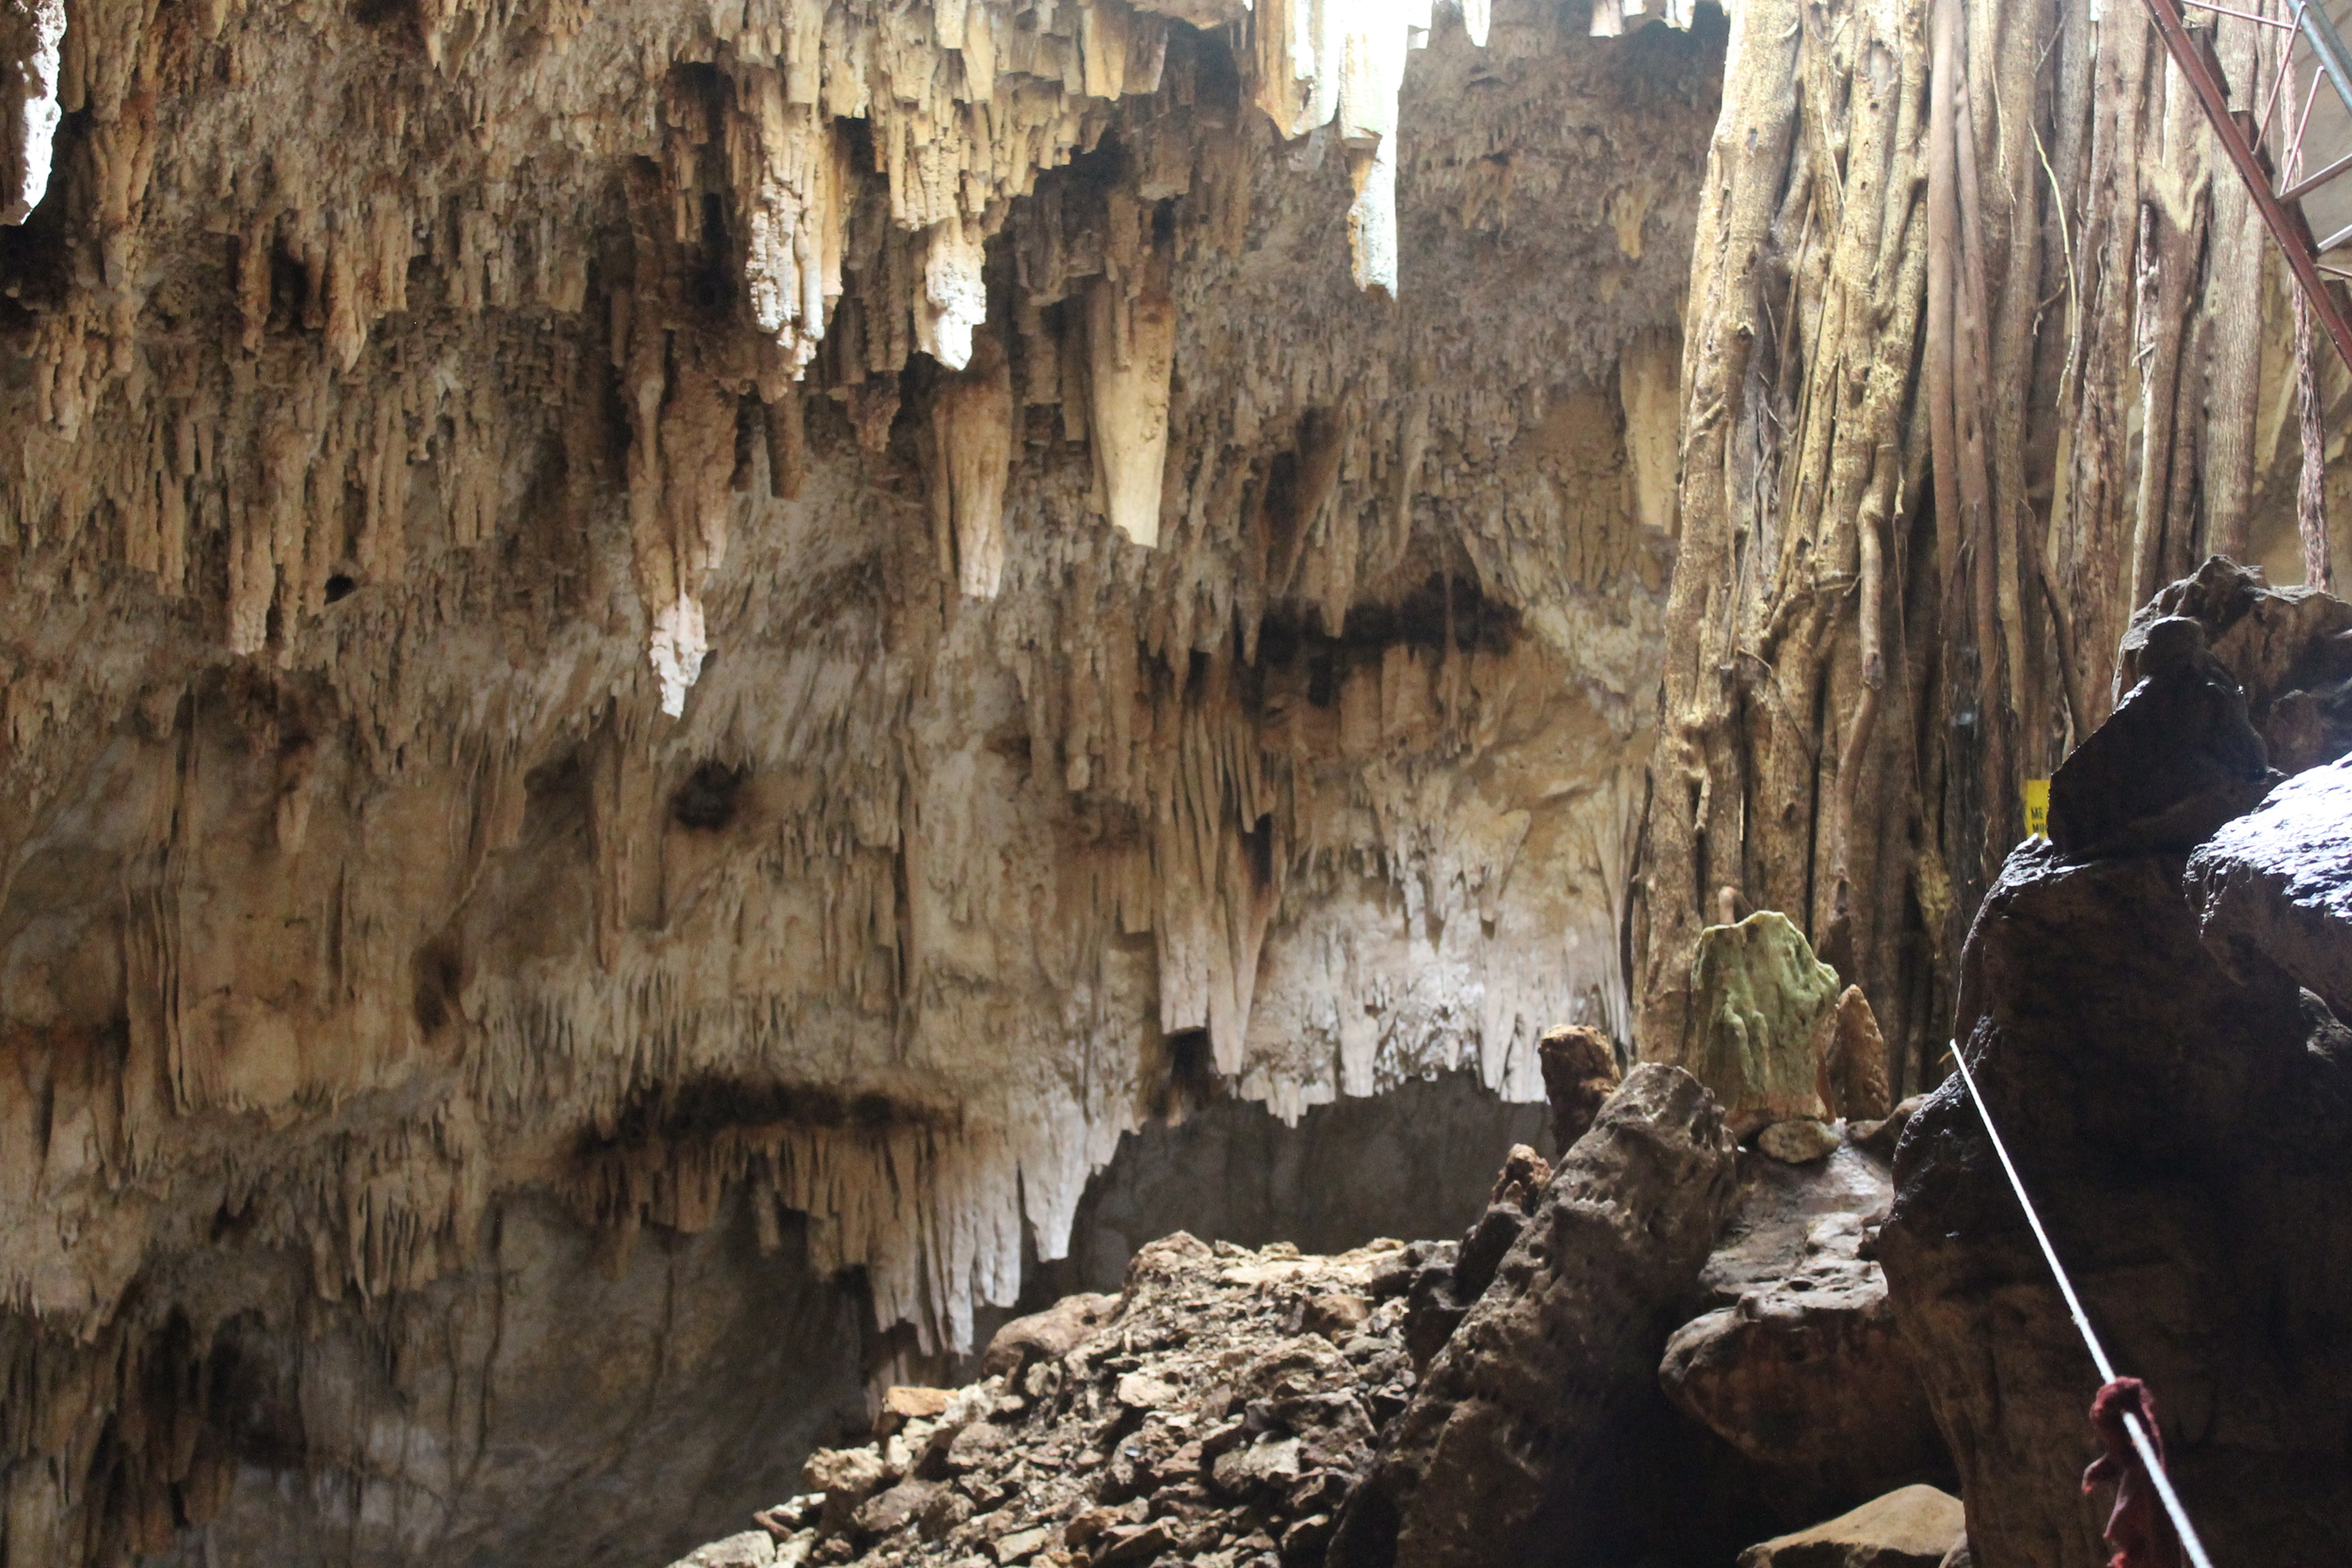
[2287, 225]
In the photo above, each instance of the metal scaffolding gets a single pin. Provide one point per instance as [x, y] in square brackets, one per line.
[2280, 187]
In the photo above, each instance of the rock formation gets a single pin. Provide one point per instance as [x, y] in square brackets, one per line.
[577, 626]
[2178, 1108]
[1523, 1443]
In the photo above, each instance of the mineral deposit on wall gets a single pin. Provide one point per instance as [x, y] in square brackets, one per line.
[662, 602]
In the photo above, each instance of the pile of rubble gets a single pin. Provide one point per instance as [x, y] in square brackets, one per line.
[1217, 1410]
[1233, 1408]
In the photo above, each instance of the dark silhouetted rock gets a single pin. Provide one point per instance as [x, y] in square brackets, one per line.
[2290, 649]
[2276, 885]
[2187, 1151]
[1913, 1528]
[1580, 1072]
[2176, 759]
[1527, 1441]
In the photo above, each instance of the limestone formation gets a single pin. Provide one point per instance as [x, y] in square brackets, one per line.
[1580, 1073]
[1763, 1015]
[1523, 1443]
[501, 686]
[1853, 1070]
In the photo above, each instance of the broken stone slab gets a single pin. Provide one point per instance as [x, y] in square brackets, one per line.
[753, 1548]
[1525, 1442]
[1912, 1528]
[902, 1404]
[1807, 1373]
[2276, 884]
[1762, 1016]
[2176, 759]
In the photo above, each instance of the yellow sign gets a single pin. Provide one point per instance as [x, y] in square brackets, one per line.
[2037, 808]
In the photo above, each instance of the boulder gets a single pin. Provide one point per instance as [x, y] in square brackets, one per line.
[1806, 1373]
[1763, 1011]
[1793, 1365]
[1580, 1072]
[1854, 1076]
[2176, 759]
[1797, 1143]
[1526, 1442]
[2186, 1148]
[1046, 1336]
[2275, 886]
[753, 1548]
[1913, 1528]
[2290, 649]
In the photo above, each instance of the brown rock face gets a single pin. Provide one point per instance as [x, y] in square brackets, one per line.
[1524, 1442]
[1854, 1072]
[2185, 1148]
[1807, 1374]
[1579, 1073]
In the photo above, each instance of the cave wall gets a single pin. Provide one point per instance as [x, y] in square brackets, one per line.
[710, 610]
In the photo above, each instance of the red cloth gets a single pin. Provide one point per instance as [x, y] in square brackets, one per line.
[2139, 1528]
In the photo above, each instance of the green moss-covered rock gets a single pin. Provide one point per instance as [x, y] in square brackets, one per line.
[1765, 1010]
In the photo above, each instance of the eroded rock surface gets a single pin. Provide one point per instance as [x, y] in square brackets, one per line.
[2184, 1145]
[1524, 1442]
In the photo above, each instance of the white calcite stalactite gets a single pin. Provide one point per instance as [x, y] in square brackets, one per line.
[32, 35]
[1131, 345]
[795, 172]
[955, 299]
[972, 428]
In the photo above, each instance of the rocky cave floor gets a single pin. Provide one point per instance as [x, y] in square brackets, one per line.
[1234, 1407]
[1805, 1352]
